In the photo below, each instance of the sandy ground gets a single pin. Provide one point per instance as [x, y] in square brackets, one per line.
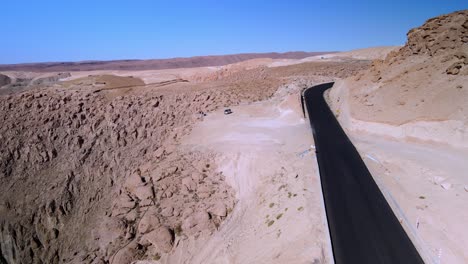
[151, 76]
[373, 53]
[279, 217]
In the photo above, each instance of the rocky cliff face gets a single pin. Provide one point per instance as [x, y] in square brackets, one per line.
[445, 36]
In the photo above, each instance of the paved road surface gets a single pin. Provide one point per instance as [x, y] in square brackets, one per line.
[362, 225]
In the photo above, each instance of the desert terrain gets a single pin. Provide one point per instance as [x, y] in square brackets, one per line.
[115, 172]
[136, 162]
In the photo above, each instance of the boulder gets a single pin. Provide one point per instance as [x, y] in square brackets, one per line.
[133, 181]
[196, 222]
[162, 238]
[144, 192]
[219, 209]
[148, 223]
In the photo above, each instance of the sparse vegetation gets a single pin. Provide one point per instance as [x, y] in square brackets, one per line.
[178, 230]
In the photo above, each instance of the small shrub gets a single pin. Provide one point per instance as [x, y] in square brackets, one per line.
[178, 230]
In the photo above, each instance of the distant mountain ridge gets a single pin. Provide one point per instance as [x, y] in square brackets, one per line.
[154, 64]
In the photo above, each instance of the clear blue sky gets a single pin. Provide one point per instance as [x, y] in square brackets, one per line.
[35, 31]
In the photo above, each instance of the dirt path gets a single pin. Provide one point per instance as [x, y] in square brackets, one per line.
[279, 217]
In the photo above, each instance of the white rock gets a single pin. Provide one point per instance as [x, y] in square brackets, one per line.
[437, 180]
[446, 186]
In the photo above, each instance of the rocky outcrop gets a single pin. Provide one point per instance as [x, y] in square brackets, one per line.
[4, 80]
[73, 163]
[50, 79]
[419, 91]
[438, 35]
[20, 82]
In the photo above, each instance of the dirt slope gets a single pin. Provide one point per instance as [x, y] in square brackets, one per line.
[419, 91]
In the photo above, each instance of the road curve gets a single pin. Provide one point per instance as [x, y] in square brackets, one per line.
[363, 227]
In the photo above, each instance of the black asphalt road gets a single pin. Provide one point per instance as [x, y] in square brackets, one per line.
[362, 225]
